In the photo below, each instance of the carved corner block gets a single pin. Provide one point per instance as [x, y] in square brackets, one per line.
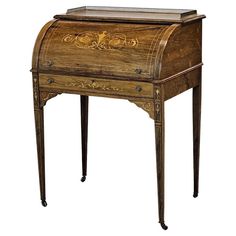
[45, 96]
[41, 97]
[147, 106]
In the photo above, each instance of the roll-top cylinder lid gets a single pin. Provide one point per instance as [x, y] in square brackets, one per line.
[127, 14]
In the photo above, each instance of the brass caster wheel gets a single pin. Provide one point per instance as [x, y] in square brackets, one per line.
[83, 179]
[44, 203]
[163, 226]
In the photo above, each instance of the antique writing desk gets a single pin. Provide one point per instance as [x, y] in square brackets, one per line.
[146, 56]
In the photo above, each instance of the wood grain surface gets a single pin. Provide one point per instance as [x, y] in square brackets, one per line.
[129, 14]
[182, 51]
[108, 49]
[94, 85]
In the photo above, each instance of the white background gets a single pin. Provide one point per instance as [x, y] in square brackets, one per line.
[119, 196]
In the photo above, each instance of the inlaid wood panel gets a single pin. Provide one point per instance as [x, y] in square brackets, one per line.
[90, 48]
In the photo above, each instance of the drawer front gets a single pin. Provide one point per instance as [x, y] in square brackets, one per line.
[110, 49]
[97, 86]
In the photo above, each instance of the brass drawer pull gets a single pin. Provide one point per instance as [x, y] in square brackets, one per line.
[49, 63]
[138, 88]
[50, 81]
[138, 71]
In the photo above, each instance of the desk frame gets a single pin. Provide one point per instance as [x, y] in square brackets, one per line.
[40, 99]
[163, 90]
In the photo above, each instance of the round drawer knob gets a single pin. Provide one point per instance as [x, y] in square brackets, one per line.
[138, 71]
[50, 81]
[49, 63]
[138, 88]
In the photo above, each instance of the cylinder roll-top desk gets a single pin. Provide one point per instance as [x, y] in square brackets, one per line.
[146, 56]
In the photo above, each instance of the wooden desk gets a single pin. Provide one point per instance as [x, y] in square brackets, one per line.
[146, 56]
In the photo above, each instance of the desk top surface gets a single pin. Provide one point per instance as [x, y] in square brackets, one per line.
[128, 14]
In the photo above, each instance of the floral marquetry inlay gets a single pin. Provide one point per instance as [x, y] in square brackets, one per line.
[100, 40]
[91, 84]
[158, 100]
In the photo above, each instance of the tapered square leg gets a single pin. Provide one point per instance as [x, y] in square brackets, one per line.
[84, 134]
[196, 135]
[39, 126]
[160, 162]
[160, 155]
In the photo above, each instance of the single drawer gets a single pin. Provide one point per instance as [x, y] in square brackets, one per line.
[95, 86]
